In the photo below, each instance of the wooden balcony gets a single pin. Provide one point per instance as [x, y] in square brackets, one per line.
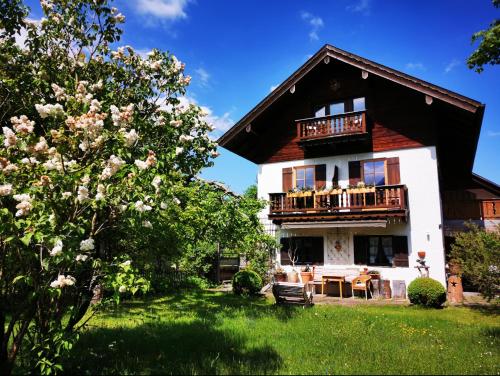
[375, 202]
[333, 126]
[491, 209]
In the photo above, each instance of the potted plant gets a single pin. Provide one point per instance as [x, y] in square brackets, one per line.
[375, 274]
[421, 255]
[279, 274]
[306, 274]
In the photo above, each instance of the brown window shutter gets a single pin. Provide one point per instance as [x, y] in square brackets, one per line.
[361, 250]
[354, 172]
[320, 176]
[400, 251]
[393, 171]
[287, 179]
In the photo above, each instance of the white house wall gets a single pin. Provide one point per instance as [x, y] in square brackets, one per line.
[418, 171]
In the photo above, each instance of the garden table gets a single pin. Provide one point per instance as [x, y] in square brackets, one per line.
[332, 278]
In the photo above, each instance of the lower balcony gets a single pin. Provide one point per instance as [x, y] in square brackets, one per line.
[379, 202]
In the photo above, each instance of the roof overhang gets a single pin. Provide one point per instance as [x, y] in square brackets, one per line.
[333, 224]
[426, 88]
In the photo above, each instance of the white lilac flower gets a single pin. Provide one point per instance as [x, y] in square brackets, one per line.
[176, 123]
[185, 138]
[147, 224]
[142, 207]
[142, 165]
[22, 124]
[10, 137]
[83, 193]
[5, 189]
[11, 167]
[214, 154]
[57, 248]
[87, 245]
[178, 150]
[95, 106]
[41, 146]
[177, 201]
[63, 281]
[101, 192]
[130, 137]
[156, 182]
[58, 92]
[122, 289]
[66, 194]
[45, 110]
[81, 257]
[163, 205]
[30, 161]
[24, 205]
[126, 263]
[113, 164]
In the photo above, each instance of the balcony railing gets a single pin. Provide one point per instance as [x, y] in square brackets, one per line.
[333, 125]
[491, 209]
[344, 200]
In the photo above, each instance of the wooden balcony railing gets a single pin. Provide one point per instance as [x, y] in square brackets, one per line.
[333, 125]
[387, 197]
[491, 209]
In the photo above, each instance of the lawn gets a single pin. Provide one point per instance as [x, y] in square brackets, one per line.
[211, 332]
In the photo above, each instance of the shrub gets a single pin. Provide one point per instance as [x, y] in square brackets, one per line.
[247, 282]
[426, 292]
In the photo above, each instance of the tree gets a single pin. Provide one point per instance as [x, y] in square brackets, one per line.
[488, 51]
[95, 141]
[478, 253]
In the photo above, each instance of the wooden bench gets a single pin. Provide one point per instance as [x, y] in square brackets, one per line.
[287, 292]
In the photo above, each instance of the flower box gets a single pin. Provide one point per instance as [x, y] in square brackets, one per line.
[299, 194]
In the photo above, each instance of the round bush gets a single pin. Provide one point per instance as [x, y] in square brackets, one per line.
[426, 292]
[247, 282]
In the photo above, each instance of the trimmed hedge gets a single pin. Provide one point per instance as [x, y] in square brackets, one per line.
[426, 292]
[247, 282]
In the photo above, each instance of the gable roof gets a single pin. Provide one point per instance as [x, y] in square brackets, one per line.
[369, 66]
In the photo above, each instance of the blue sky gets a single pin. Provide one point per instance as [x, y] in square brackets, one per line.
[236, 51]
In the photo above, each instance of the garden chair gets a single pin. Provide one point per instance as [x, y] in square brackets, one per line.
[362, 283]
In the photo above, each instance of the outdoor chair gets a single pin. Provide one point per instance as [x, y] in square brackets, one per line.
[362, 283]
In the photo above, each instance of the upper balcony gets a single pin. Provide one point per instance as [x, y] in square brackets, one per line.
[343, 203]
[331, 128]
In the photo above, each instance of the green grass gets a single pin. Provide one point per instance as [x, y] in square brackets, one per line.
[207, 332]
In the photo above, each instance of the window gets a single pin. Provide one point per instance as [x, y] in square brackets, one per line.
[374, 172]
[309, 250]
[380, 250]
[341, 107]
[304, 177]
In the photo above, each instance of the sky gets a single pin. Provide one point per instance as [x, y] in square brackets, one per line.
[237, 51]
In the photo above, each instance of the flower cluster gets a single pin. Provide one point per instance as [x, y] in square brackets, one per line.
[123, 116]
[24, 206]
[87, 245]
[22, 124]
[45, 110]
[57, 250]
[113, 164]
[63, 281]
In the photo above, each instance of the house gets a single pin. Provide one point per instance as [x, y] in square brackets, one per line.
[364, 166]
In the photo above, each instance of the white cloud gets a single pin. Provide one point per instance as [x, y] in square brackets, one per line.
[415, 66]
[23, 33]
[203, 77]
[315, 22]
[361, 6]
[220, 123]
[164, 9]
[454, 63]
[493, 133]
[272, 88]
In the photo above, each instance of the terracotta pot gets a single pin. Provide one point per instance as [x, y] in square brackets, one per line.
[306, 277]
[280, 277]
[293, 276]
[421, 254]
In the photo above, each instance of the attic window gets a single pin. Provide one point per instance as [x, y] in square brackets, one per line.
[341, 107]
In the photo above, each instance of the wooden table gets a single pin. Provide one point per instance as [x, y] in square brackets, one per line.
[332, 278]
